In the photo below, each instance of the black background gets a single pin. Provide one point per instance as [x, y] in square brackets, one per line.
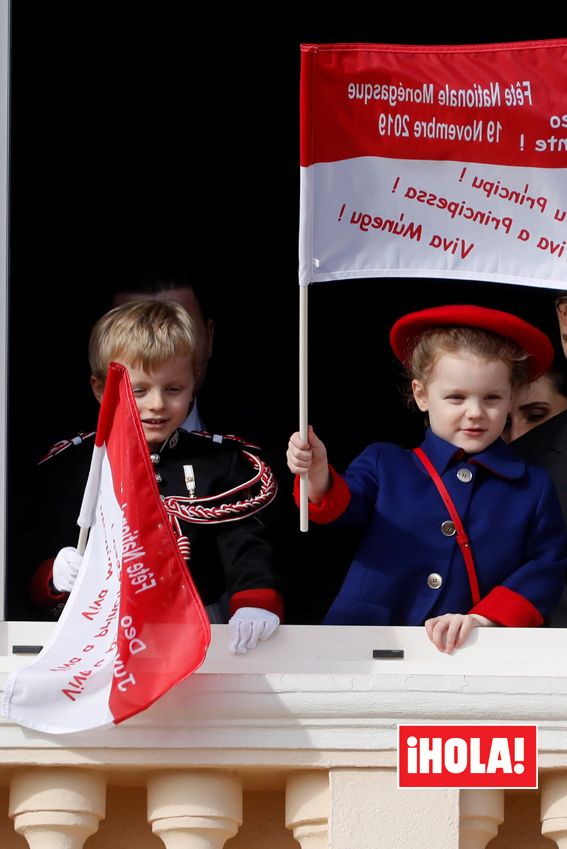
[138, 133]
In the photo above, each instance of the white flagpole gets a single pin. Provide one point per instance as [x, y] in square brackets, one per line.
[303, 417]
[83, 537]
[90, 496]
[306, 194]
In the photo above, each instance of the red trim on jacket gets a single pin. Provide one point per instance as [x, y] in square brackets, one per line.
[41, 586]
[333, 504]
[266, 598]
[507, 607]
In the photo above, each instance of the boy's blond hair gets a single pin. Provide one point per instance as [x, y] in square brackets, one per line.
[145, 333]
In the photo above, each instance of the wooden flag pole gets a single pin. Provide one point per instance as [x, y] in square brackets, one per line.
[303, 417]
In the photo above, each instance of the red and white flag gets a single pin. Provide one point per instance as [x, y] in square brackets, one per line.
[446, 161]
[134, 624]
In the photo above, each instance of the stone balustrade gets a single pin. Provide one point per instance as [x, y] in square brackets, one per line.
[294, 744]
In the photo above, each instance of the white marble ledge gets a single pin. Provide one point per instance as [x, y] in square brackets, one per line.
[317, 688]
[524, 652]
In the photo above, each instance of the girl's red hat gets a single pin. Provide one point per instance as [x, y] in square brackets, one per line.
[532, 340]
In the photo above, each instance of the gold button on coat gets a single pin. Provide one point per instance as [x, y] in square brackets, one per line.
[464, 475]
[434, 581]
[448, 528]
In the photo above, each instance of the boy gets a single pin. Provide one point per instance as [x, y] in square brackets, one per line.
[231, 559]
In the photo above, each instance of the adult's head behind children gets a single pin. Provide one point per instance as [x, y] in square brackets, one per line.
[170, 287]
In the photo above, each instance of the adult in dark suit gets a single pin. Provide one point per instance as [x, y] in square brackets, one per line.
[546, 445]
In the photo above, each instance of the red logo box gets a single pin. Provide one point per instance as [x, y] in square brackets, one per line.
[467, 756]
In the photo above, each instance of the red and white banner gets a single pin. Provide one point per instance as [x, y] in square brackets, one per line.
[434, 162]
[472, 756]
[134, 624]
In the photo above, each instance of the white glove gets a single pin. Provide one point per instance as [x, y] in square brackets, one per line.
[65, 568]
[248, 625]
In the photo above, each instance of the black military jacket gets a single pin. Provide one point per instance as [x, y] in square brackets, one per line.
[236, 557]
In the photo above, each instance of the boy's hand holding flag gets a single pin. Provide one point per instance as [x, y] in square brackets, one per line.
[134, 624]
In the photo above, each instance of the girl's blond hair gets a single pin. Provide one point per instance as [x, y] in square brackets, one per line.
[433, 343]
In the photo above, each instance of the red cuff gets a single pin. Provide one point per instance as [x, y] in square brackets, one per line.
[265, 598]
[507, 607]
[40, 586]
[333, 504]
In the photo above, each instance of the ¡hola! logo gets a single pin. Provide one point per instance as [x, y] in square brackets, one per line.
[473, 756]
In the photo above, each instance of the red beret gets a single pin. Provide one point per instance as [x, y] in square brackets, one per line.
[529, 338]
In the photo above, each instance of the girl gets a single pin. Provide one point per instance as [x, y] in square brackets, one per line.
[459, 533]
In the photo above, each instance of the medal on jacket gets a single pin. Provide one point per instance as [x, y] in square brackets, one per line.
[239, 501]
[189, 480]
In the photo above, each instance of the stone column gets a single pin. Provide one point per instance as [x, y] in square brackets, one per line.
[368, 811]
[194, 809]
[554, 807]
[57, 808]
[481, 813]
[307, 804]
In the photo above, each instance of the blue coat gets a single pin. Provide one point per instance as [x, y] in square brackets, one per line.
[407, 569]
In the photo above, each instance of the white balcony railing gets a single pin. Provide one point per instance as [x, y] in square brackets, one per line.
[311, 716]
